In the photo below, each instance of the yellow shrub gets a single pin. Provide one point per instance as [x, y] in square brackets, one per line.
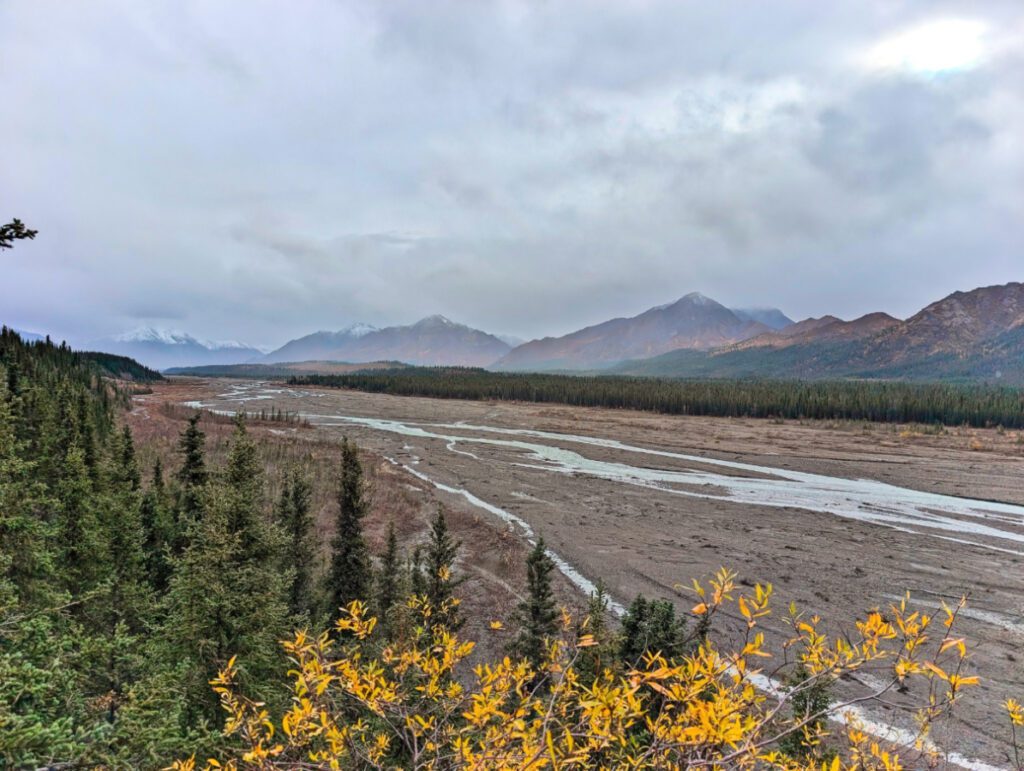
[358, 705]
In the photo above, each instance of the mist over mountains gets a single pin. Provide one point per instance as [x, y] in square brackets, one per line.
[968, 335]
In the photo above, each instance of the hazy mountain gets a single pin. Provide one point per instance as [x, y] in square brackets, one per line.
[319, 346]
[770, 317]
[29, 337]
[820, 330]
[162, 348]
[967, 335]
[430, 341]
[693, 322]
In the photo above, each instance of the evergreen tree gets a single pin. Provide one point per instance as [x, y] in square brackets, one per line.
[349, 577]
[114, 615]
[651, 626]
[440, 580]
[14, 230]
[536, 615]
[26, 560]
[229, 594]
[128, 467]
[388, 579]
[417, 581]
[295, 518]
[159, 532]
[192, 476]
[79, 539]
[243, 493]
[810, 698]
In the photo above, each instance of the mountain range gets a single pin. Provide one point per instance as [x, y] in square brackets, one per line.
[433, 340]
[693, 322]
[968, 335]
[976, 335]
[162, 349]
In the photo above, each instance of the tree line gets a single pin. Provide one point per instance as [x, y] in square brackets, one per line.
[124, 592]
[888, 402]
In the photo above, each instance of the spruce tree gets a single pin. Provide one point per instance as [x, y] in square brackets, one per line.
[349, 577]
[440, 580]
[651, 626]
[294, 516]
[243, 492]
[26, 560]
[537, 614]
[417, 581]
[388, 580]
[192, 476]
[229, 594]
[79, 537]
[117, 616]
[159, 532]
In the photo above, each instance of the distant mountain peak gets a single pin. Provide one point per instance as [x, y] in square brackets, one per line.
[698, 298]
[436, 320]
[694, 321]
[434, 340]
[358, 329]
[155, 335]
[161, 336]
[692, 298]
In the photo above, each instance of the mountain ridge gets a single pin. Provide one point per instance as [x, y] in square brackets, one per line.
[694, 321]
[968, 335]
[433, 340]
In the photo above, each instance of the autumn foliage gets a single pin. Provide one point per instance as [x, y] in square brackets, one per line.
[361, 703]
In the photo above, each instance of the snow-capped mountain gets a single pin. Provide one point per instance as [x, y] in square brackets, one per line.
[164, 348]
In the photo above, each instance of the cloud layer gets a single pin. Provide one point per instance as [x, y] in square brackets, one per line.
[258, 170]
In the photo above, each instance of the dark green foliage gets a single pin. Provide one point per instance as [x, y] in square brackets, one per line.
[107, 640]
[389, 579]
[120, 367]
[890, 402]
[417, 580]
[15, 230]
[651, 626]
[440, 579]
[191, 478]
[537, 615]
[350, 572]
[159, 530]
[811, 697]
[295, 518]
[229, 594]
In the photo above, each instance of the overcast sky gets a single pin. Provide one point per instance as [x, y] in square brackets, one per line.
[258, 170]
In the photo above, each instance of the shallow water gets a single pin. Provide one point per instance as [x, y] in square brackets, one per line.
[996, 527]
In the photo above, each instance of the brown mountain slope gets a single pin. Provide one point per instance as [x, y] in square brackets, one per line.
[827, 328]
[958, 325]
[693, 322]
[975, 335]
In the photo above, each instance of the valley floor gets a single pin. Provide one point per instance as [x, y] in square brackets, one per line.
[838, 517]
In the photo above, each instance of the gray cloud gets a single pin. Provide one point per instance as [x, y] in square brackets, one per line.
[529, 168]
